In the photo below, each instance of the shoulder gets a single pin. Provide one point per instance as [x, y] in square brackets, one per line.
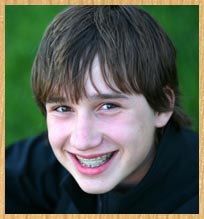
[30, 154]
[181, 139]
[188, 140]
[189, 207]
[189, 136]
[178, 154]
[181, 149]
[32, 171]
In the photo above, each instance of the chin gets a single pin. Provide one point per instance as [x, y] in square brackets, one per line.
[91, 188]
[94, 191]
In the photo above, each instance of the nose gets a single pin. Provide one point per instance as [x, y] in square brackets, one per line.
[85, 135]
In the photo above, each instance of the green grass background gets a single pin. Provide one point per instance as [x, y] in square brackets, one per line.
[25, 26]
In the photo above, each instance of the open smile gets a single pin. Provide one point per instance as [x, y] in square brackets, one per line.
[93, 164]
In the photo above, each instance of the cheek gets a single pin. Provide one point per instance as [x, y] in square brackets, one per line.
[56, 133]
[122, 129]
[134, 131]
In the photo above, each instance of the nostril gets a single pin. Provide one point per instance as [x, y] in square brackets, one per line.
[85, 140]
[84, 134]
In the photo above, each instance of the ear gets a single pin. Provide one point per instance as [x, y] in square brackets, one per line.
[162, 118]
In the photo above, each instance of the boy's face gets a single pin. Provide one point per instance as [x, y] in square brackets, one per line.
[105, 139]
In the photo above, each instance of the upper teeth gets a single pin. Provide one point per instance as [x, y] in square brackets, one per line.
[94, 162]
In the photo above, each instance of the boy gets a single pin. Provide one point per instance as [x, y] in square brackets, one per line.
[105, 79]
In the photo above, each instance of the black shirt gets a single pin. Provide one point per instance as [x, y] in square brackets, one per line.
[37, 183]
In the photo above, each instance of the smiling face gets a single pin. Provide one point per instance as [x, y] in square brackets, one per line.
[106, 138]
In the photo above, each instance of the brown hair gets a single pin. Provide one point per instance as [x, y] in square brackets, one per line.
[133, 51]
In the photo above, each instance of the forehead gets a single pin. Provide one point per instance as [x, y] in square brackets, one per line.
[91, 83]
[95, 83]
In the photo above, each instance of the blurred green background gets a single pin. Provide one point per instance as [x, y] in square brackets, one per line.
[25, 26]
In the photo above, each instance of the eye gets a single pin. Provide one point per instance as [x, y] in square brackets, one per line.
[109, 106]
[63, 109]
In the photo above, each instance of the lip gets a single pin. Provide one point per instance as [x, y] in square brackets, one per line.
[95, 170]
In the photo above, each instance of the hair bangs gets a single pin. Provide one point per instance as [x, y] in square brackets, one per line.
[135, 56]
[77, 67]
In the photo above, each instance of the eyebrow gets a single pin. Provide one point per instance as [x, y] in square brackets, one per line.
[55, 99]
[95, 97]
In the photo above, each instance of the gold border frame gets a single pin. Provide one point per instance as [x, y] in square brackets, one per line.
[2, 109]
